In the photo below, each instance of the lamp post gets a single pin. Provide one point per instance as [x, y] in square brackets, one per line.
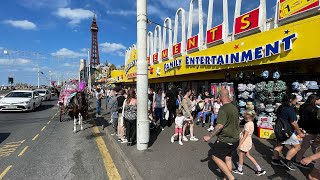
[6, 52]
[50, 78]
[142, 77]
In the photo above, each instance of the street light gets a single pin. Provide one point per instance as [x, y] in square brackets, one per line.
[50, 78]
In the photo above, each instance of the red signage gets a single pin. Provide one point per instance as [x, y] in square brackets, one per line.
[246, 22]
[148, 59]
[155, 58]
[192, 43]
[176, 49]
[132, 75]
[214, 34]
[165, 54]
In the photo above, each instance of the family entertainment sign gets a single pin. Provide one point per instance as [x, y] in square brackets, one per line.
[244, 56]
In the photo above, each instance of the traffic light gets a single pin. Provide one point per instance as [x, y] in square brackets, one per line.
[10, 80]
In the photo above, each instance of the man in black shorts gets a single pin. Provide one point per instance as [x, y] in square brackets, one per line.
[227, 130]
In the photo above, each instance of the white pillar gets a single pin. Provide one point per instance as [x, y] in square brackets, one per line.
[236, 14]
[142, 77]
[89, 72]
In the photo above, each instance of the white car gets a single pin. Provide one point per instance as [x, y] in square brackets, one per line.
[20, 100]
[44, 93]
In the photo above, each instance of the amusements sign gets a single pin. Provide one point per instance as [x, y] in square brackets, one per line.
[289, 8]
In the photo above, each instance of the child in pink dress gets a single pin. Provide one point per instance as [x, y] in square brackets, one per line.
[245, 144]
[178, 127]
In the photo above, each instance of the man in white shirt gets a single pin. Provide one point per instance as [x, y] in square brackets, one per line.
[99, 95]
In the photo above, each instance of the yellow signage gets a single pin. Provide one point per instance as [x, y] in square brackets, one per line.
[266, 133]
[293, 7]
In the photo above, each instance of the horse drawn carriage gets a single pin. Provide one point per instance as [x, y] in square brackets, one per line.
[73, 102]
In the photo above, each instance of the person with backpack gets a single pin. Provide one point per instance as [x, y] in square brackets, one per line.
[285, 124]
[311, 124]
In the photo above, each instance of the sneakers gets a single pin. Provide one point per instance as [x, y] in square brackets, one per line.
[276, 162]
[180, 142]
[288, 164]
[237, 171]
[161, 128]
[260, 173]
[172, 140]
[194, 139]
[185, 138]
[123, 141]
[211, 128]
[203, 124]
[298, 164]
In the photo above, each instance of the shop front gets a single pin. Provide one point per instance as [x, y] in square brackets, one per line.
[258, 65]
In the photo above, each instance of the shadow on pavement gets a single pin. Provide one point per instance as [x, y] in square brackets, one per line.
[211, 164]
[154, 133]
[264, 150]
[4, 136]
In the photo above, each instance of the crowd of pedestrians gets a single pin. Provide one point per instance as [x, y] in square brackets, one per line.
[185, 109]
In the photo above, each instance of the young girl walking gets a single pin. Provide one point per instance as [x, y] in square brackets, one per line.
[246, 144]
[178, 127]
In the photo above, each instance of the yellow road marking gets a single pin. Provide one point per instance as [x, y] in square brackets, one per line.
[5, 172]
[48, 122]
[109, 165]
[35, 137]
[18, 142]
[23, 150]
[44, 127]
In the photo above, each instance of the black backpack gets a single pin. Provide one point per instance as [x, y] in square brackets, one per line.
[283, 129]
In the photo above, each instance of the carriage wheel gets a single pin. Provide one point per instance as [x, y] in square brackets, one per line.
[60, 113]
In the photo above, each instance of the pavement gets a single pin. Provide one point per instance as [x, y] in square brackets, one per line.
[164, 160]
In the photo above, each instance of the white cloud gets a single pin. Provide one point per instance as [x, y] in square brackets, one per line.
[45, 3]
[113, 48]
[16, 62]
[70, 65]
[84, 50]
[122, 13]
[74, 15]
[64, 52]
[154, 10]
[23, 24]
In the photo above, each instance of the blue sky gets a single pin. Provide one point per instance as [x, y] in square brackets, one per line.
[55, 34]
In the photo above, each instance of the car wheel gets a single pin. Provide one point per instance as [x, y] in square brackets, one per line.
[33, 107]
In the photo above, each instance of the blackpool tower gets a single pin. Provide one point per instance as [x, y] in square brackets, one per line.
[94, 58]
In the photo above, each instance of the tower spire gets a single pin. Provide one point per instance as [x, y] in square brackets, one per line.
[94, 58]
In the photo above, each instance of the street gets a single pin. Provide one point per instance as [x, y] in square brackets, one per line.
[35, 145]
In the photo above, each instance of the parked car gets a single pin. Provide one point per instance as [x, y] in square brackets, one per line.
[20, 100]
[44, 93]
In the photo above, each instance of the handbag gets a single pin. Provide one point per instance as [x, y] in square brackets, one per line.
[166, 116]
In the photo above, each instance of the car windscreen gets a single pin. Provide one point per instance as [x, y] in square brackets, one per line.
[20, 94]
[41, 92]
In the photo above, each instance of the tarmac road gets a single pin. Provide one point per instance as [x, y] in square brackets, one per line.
[35, 145]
